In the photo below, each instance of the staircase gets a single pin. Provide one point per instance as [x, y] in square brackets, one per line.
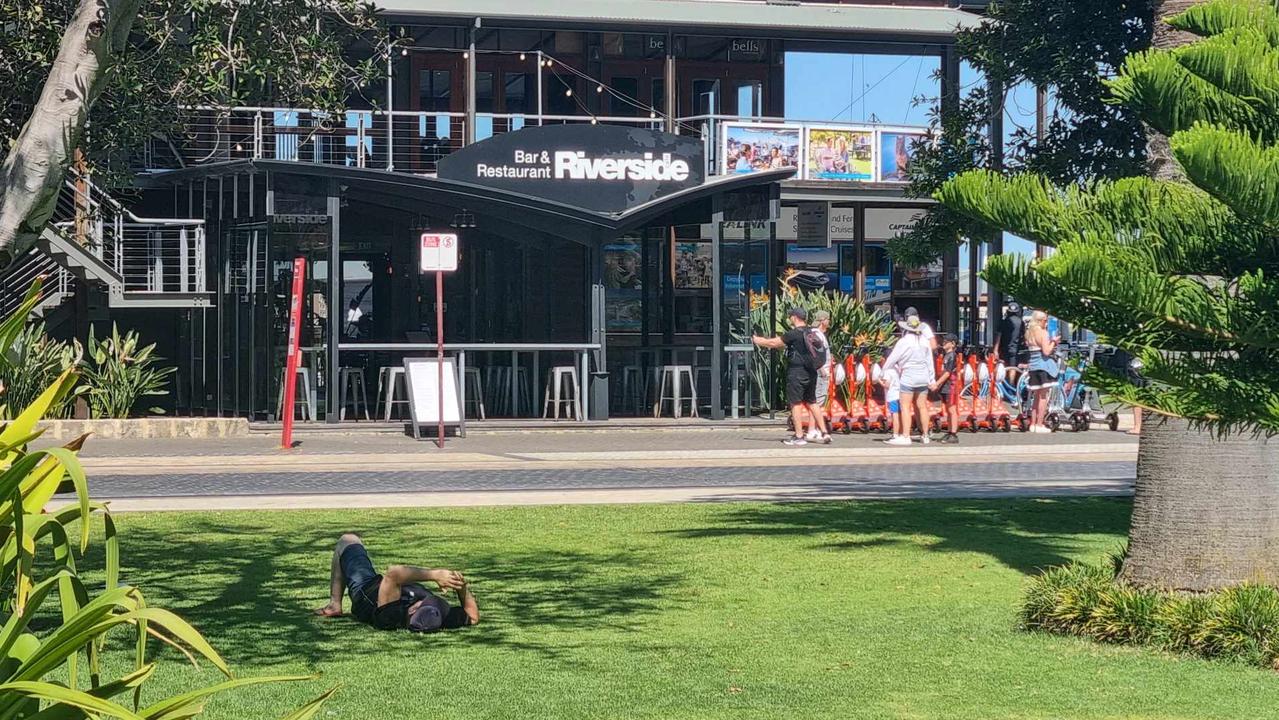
[92, 238]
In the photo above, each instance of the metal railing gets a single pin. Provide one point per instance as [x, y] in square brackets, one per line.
[59, 283]
[404, 141]
[149, 254]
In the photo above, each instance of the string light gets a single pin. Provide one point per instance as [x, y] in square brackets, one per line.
[595, 121]
[404, 52]
[521, 56]
[568, 92]
[466, 55]
[599, 88]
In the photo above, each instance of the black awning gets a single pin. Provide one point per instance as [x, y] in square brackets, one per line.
[413, 192]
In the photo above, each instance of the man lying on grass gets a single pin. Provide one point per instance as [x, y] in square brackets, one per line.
[395, 599]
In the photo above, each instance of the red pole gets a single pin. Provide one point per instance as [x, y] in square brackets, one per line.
[439, 350]
[292, 353]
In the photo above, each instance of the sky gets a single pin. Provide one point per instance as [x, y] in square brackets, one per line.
[868, 88]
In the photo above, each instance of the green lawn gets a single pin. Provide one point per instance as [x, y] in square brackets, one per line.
[834, 610]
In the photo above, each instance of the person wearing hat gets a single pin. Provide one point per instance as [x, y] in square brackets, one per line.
[912, 360]
[1010, 343]
[395, 599]
[805, 355]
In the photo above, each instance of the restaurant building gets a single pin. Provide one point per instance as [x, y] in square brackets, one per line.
[622, 176]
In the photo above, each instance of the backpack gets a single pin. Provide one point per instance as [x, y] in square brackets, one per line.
[817, 355]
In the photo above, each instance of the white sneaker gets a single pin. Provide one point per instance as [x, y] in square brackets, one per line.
[813, 436]
[924, 439]
[1042, 429]
[898, 440]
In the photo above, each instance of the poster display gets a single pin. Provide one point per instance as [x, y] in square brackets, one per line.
[624, 314]
[895, 151]
[622, 267]
[753, 147]
[692, 266]
[839, 154]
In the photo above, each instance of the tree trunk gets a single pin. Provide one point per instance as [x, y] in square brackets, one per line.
[33, 170]
[1206, 511]
[1159, 160]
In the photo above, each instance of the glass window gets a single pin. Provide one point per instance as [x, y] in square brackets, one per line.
[706, 97]
[435, 90]
[659, 94]
[484, 92]
[626, 87]
[750, 98]
[516, 93]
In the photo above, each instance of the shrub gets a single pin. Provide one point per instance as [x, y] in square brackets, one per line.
[1087, 600]
[119, 374]
[1244, 625]
[30, 364]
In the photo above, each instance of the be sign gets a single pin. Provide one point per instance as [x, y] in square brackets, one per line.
[439, 252]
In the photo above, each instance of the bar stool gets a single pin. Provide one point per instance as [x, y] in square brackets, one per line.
[351, 380]
[634, 387]
[676, 375]
[475, 391]
[390, 379]
[556, 395]
[305, 398]
[500, 387]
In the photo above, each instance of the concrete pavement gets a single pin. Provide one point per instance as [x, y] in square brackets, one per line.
[637, 465]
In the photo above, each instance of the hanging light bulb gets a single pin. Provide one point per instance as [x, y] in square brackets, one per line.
[599, 88]
[652, 114]
[568, 92]
[404, 51]
[239, 148]
[521, 56]
[595, 121]
[466, 55]
[548, 63]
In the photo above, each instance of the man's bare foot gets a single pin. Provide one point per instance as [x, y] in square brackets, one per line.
[330, 610]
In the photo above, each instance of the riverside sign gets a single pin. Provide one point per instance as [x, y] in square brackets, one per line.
[604, 168]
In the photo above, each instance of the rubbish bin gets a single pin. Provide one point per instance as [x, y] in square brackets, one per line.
[599, 396]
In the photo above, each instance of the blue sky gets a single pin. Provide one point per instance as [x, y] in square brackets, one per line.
[866, 88]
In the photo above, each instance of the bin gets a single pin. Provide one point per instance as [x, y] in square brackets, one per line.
[599, 396]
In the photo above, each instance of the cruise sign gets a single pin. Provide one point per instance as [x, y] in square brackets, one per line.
[604, 168]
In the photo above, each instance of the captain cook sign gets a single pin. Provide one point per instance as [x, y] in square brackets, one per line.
[605, 168]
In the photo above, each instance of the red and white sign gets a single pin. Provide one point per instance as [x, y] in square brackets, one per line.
[439, 252]
[293, 352]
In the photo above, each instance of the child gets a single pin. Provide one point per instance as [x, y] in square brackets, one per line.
[943, 386]
[892, 397]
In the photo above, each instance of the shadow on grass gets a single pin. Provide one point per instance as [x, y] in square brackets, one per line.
[1025, 535]
[250, 589]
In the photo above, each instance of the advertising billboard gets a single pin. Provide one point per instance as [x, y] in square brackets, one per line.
[839, 154]
[895, 151]
[752, 147]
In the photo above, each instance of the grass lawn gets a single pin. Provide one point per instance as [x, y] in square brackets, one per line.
[833, 610]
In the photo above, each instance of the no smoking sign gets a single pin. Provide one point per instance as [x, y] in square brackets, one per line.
[439, 252]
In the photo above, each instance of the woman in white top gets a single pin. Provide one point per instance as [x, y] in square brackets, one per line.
[1042, 370]
[912, 359]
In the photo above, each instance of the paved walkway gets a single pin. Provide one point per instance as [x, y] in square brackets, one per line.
[592, 466]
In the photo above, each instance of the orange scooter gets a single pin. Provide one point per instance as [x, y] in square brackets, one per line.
[997, 415]
[968, 369]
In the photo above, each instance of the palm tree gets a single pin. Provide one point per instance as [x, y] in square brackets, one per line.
[1180, 268]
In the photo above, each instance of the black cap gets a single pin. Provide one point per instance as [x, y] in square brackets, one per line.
[430, 615]
[1014, 307]
[799, 312]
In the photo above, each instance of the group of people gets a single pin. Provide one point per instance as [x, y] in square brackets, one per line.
[750, 158]
[911, 377]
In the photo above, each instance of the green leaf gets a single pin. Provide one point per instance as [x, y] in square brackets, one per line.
[174, 707]
[308, 711]
[61, 695]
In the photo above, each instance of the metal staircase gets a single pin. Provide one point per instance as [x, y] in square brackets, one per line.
[92, 238]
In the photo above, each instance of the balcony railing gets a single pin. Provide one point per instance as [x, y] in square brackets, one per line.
[414, 142]
[150, 255]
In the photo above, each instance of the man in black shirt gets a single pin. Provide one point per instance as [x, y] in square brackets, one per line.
[1010, 343]
[395, 600]
[805, 355]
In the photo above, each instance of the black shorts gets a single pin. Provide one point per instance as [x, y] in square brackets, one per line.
[943, 395]
[801, 386]
[1040, 379]
[362, 581]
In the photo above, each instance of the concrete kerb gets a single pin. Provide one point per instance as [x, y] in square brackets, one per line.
[146, 428]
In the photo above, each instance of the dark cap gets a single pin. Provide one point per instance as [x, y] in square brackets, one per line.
[1014, 307]
[430, 615]
[799, 312]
